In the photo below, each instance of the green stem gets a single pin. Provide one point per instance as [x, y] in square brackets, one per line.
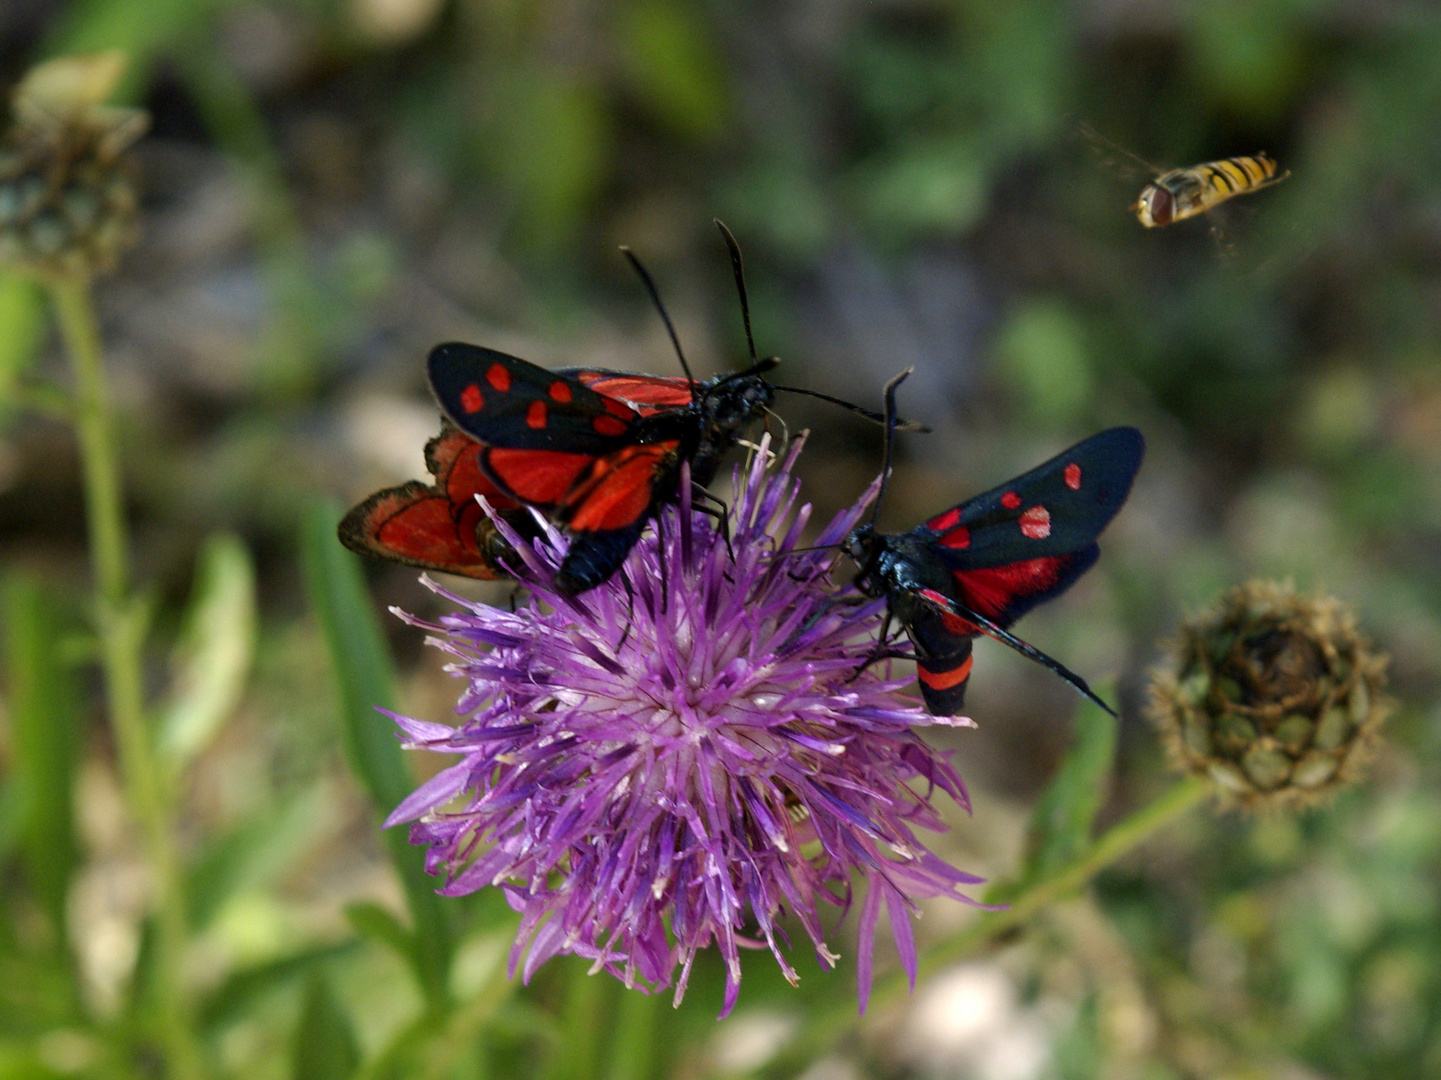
[120, 623]
[1109, 847]
[432, 1045]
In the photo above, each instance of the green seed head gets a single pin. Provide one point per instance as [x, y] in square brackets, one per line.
[1276, 697]
[67, 192]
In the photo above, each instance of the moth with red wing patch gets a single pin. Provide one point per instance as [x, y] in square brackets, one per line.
[598, 464]
[976, 568]
[440, 526]
[601, 451]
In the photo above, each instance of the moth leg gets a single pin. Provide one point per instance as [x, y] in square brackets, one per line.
[882, 651]
[720, 512]
[660, 553]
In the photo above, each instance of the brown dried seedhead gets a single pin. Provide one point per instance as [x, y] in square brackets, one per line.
[67, 190]
[1276, 697]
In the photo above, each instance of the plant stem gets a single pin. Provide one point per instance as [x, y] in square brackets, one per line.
[1107, 848]
[120, 623]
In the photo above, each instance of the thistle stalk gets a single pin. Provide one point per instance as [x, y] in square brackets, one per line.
[120, 624]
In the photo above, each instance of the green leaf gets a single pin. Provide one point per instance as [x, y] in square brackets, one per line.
[254, 855]
[43, 721]
[217, 647]
[143, 29]
[22, 324]
[20, 1061]
[229, 1001]
[558, 138]
[1060, 827]
[673, 66]
[365, 679]
[635, 1046]
[324, 1046]
[372, 921]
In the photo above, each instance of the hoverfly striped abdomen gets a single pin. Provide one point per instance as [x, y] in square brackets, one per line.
[1184, 193]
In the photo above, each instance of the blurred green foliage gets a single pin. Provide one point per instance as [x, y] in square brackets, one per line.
[334, 186]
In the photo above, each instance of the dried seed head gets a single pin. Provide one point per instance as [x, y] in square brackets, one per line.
[67, 193]
[1276, 697]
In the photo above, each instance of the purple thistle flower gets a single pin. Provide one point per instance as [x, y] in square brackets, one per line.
[685, 751]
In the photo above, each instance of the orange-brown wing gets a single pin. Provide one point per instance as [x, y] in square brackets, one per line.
[586, 494]
[438, 526]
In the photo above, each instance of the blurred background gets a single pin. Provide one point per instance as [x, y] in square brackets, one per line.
[330, 187]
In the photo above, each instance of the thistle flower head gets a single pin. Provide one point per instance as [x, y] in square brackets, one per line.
[1275, 696]
[684, 754]
[67, 198]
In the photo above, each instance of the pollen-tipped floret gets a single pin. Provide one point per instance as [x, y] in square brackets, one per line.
[685, 754]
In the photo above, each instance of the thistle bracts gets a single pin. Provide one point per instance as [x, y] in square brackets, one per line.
[1275, 696]
[67, 193]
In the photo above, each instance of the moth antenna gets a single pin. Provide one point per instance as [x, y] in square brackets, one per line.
[869, 414]
[665, 318]
[1026, 649]
[738, 269]
[808, 550]
[890, 422]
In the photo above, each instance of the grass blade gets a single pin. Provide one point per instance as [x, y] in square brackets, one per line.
[216, 649]
[43, 720]
[365, 678]
[1061, 824]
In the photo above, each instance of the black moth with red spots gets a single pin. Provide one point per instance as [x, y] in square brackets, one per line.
[598, 451]
[978, 567]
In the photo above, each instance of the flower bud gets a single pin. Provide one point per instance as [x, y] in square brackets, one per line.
[1276, 697]
[67, 194]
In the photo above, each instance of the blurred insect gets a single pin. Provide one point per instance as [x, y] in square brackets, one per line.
[1183, 193]
[978, 567]
[1177, 194]
[440, 526]
[600, 452]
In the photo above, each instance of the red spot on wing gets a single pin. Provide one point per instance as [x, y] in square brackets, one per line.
[535, 415]
[945, 680]
[991, 590]
[498, 376]
[560, 391]
[1010, 500]
[957, 538]
[617, 408]
[945, 522]
[622, 490]
[542, 477]
[1036, 523]
[609, 425]
[1073, 476]
[471, 399]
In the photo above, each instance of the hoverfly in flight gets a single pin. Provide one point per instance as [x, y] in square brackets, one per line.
[1177, 194]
